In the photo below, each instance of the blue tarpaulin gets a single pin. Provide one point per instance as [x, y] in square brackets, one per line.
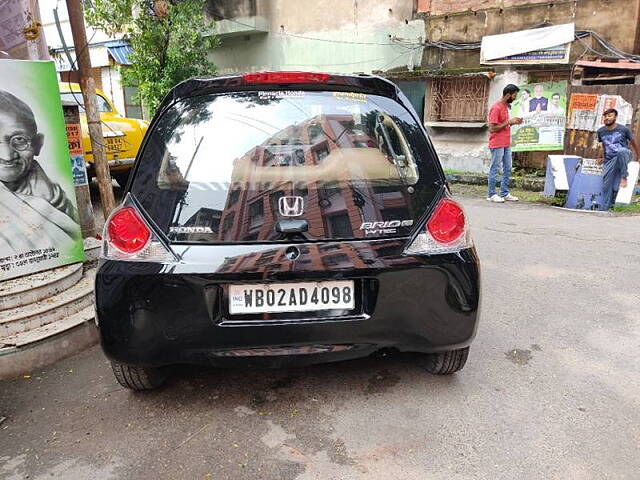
[585, 192]
[560, 174]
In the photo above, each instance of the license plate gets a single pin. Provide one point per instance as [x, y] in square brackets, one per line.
[291, 297]
[114, 144]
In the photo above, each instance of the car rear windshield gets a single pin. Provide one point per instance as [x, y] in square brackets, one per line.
[272, 166]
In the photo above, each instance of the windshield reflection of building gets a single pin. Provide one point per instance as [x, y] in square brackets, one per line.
[319, 257]
[334, 209]
[204, 222]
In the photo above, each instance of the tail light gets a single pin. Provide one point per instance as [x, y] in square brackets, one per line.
[127, 232]
[285, 77]
[128, 237]
[445, 232]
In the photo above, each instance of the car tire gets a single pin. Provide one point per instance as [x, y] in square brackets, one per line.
[446, 363]
[137, 378]
[121, 179]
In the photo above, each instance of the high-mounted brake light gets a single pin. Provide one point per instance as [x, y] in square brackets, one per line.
[128, 237]
[445, 232]
[285, 77]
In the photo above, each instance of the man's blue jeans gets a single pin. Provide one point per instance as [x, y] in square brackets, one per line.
[500, 157]
[614, 169]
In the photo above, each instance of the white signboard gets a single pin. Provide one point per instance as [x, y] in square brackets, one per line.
[559, 172]
[626, 194]
[496, 47]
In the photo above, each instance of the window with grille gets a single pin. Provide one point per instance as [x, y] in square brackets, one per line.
[234, 195]
[340, 225]
[227, 223]
[256, 213]
[459, 99]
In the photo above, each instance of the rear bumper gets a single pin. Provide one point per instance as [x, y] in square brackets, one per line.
[151, 318]
[122, 162]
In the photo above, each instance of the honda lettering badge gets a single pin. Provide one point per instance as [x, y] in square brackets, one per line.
[291, 206]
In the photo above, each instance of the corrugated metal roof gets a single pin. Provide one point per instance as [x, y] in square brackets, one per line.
[120, 52]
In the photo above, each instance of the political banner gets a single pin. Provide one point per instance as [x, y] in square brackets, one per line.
[557, 54]
[542, 107]
[537, 45]
[39, 226]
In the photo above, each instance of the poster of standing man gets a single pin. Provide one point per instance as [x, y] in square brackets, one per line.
[39, 226]
[544, 117]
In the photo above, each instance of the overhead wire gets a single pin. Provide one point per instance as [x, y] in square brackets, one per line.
[73, 67]
[616, 51]
[449, 45]
[410, 46]
[317, 39]
[398, 57]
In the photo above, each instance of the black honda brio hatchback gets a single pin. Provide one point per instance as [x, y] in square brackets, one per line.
[285, 218]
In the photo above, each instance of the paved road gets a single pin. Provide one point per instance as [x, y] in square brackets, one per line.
[551, 390]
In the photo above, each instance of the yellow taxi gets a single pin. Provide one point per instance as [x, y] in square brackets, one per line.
[122, 136]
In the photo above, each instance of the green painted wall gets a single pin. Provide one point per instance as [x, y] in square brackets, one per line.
[350, 48]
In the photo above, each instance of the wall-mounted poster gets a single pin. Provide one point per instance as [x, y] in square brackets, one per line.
[582, 111]
[586, 110]
[39, 227]
[542, 106]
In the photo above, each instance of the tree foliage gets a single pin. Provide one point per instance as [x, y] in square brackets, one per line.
[169, 39]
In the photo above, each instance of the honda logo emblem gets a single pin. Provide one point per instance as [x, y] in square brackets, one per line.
[291, 206]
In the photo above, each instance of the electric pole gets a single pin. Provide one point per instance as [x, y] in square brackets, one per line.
[88, 87]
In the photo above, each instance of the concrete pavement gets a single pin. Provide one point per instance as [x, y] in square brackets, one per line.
[551, 389]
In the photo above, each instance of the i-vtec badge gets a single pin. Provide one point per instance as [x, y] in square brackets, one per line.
[190, 230]
[384, 228]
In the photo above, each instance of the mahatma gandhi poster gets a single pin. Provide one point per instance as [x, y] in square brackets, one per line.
[39, 227]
